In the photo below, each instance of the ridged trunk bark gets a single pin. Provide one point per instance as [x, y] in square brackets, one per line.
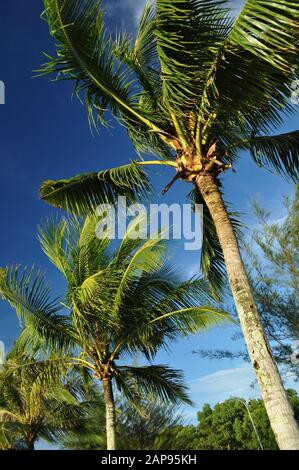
[274, 396]
[110, 414]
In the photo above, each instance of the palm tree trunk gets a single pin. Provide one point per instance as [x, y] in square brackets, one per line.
[275, 398]
[31, 444]
[110, 414]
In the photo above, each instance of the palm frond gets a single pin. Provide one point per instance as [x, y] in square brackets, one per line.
[82, 194]
[269, 31]
[51, 238]
[148, 258]
[89, 63]
[279, 153]
[28, 293]
[263, 38]
[166, 325]
[189, 34]
[160, 381]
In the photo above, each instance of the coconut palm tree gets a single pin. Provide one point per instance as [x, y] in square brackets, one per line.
[37, 401]
[119, 303]
[194, 88]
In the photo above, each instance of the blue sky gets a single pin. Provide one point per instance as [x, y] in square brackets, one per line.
[43, 135]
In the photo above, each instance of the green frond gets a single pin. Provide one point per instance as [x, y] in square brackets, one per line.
[264, 38]
[148, 258]
[189, 34]
[102, 78]
[269, 30]
[28, 293]
[51, 238]
[160, 381]
[82, 194]
[165, 325]
[279, 153]
[39, 397]
[89, 63]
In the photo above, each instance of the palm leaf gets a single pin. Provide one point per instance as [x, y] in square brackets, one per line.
[89, 63]
[264, 38]
[279, 153]
[29, 295]
[82, 194]
[189, 34]
[269, 31]
[160, 381]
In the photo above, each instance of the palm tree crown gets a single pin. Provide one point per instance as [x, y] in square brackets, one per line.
[125, 301]
[119, 303]
[186, 89]
[37, 399]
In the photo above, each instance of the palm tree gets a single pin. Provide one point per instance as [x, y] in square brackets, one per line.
[89, 434]
[119, 304]
[36, 400]
[194, 88]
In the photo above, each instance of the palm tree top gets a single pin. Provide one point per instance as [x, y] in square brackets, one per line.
[186, 84]
[38, 399]
[186, 88]
[119, 302]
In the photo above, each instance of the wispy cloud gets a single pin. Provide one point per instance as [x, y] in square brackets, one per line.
[224, 383]
[127, 13]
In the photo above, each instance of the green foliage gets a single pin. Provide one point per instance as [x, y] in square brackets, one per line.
[27, 291]
[83, 193]
[90, 433]
[188, 75]
[280, 153]
[186, 81]
[178, 437]
[276, 275]
[150, 426]
[119, 302]
[228, 425]
[37, 400]
[143, 428]
[156, 426]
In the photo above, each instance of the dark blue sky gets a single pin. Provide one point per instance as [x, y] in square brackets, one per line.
[43, 135]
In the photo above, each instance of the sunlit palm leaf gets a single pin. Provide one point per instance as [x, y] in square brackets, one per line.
[269, 30]
[279, 153]
[82, 194]
[28, 293]
[189, 34]
[160, 381]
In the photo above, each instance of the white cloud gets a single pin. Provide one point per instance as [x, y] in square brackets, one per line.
[125, 12]
[129, 12]
[224, 383]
